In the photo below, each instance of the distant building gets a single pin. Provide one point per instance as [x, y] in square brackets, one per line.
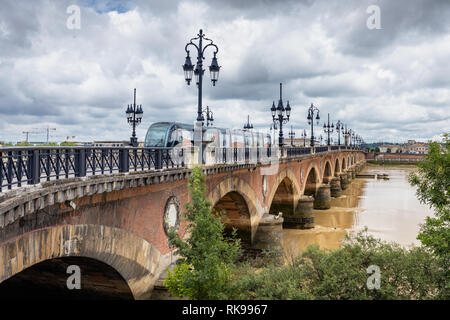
[298, 142]
[390, 148]
[416, 147]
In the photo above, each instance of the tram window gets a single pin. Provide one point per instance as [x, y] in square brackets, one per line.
[156, 135]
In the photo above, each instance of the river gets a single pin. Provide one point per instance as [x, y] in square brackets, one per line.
[389, 209]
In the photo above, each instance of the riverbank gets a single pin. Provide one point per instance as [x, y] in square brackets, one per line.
[391, 163]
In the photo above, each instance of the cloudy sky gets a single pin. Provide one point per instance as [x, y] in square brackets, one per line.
[391, 83]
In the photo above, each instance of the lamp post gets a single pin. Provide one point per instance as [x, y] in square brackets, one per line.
[198, 71]
[349, 134]
[304, 137]
[291, 136]
[134, 116]
[249, 126]
[327, 128]
[278, 115]
[339, 128]
[313, 109]
[209, 116]
[345, 134]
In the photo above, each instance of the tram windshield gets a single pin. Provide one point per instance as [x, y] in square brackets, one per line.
[156, 135]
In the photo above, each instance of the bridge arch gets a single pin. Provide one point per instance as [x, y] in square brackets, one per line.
[235, 215]
[285, 177]
[136, 261]
[48, 280]
[344, 164]
[238, 200]
[337, 167]
[327, 173]
[312, 180]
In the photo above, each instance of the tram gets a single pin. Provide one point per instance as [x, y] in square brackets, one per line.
[171, 134]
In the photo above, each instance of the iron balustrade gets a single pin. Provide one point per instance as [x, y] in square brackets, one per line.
[321, 149]
[32, 165]
[297, 151]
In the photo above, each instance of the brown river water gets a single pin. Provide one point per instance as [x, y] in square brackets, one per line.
[389, 209]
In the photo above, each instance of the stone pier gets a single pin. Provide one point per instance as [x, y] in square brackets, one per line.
[269, 235]
[322, 200]
[335, 187]
[344, 181]
[303, 217]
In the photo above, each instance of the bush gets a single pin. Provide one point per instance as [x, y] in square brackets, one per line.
[342, 274]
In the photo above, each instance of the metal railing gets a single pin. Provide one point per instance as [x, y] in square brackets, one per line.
[321, 149]
[297, 151]
[32, 165]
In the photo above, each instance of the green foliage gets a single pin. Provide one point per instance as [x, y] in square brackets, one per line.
[342, 274]
[433, 188]
[67, 144]
[23, 144]
[206, 256]
[50, 144]
[377, 149]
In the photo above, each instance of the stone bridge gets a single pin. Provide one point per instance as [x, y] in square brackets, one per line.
[114, 226]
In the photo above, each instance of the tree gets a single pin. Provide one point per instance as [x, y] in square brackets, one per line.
[204, 268]
[388, 150]
[433, 188]
[377, 149]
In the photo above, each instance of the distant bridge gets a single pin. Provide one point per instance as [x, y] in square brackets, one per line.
[108, 210]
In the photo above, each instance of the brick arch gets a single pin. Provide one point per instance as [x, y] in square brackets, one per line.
[244, 190]
[287, 173]
[344, 164]
[308, 171]
[337, 166]
[234, 184]
[135, 259]
[331, 168]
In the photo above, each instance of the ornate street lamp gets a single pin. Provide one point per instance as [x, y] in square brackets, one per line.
[312, 109]
[134, 117]
[248, 126]
[291, 136]
[304, 137]
[278, 116]
[198, 71]
[339, 128]
[327, 128]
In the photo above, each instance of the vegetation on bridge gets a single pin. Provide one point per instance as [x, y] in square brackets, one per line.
[207, 258]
